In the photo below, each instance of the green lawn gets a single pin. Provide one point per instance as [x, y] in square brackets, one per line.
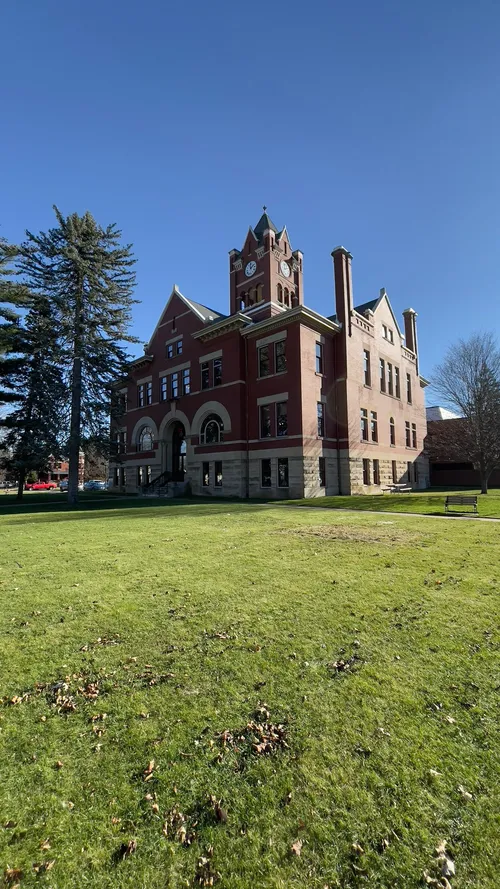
[210, 689]
[421, 503]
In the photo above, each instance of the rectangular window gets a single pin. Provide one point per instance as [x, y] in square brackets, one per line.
[140, 475]
[321, 472]
[366, 472]
[384, 331]
[382, 375]
[205, 472]
[408, 388]
[140, 395]
[319, 358]
[282, 472]
[174, 385]
[122, 475]
[186, 381]
[376, 472]
[217, 371]
[124, 442]
[265, 421]
[398, 384]
[178, 346]
[364, 424]
[407, 435]
[149, 393]
[409, 469]
[264, 362]
[390, 379]
[163, 389]
[394, 472]
[282, 418]
[170, 350]
[413, 435]
[392, 431]
[148, 474]
[374, 425]
[205, 375]
[321, 419]
[280, 356]
[391, 335]
[265, 473]
[366, 367]
[218, 473]
[116, 480]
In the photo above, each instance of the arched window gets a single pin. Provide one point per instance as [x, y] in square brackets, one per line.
[146, 439]
[243, 302]
[392, 431]
[212, 430]
[260, 296]
[280, 293]
[287, 297]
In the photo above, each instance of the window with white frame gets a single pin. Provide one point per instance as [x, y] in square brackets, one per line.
[212, 430]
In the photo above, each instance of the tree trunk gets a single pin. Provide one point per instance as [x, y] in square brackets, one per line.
[20, 484]
[484, 481]
[75, 426]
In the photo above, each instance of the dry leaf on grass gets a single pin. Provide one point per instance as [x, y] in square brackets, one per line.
[296, 848]
[127, 849]
[12, 875]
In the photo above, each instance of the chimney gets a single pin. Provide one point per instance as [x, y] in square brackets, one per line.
[343, 286]
[410, 317]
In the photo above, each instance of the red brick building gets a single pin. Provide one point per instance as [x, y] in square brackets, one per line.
[274, 399]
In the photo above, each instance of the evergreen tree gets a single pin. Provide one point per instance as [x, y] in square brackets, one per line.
[87, 275]
[13, 296]
[35, 425]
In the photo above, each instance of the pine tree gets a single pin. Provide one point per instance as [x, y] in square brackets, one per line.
[13, 296]
[35, 425]
[87, 275]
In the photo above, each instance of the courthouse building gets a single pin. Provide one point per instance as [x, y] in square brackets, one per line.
[274, 399]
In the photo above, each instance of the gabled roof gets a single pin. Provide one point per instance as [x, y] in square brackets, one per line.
[373, 305]
[204, 313]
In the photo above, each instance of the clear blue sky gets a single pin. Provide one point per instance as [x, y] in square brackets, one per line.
[374, 125]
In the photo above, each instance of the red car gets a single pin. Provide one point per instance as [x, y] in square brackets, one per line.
[39, 486]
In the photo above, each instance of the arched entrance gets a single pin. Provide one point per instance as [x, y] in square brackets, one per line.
[178, 451]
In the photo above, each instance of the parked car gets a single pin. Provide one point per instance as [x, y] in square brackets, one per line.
[95, 485]
[63, 486]
[40, 486]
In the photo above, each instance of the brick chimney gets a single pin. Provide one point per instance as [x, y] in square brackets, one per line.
[410, 317]
[343, 287]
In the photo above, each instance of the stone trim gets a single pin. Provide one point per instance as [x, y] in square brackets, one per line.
[175, 339]
[272, 338]
[175, 369]
[210, 356]
[272, 399]
[144, 380]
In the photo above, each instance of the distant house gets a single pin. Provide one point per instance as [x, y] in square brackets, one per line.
[439, 413]
[274, 399]
[449, 466]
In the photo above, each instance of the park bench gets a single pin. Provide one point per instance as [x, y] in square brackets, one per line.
[398, 489]
[459, 500]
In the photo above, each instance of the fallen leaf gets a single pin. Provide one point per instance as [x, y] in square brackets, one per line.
[448, 867]
[44, 867]
[464, 793]
[127, 849]
[59, 764]
[434, 773]
[357, 849]
[11, 874]
[45, 845]
[296, 848]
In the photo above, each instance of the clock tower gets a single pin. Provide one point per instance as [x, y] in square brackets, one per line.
[266, 274]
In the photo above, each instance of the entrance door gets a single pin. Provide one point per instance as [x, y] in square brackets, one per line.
[178, 452]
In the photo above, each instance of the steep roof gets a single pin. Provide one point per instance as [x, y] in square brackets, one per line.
[364, 307]
[263, 224]
[207, 313]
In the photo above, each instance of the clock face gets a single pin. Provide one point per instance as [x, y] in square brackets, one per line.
[250, 268]
[285, 268]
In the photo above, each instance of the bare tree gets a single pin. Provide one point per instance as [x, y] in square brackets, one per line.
[469, 381]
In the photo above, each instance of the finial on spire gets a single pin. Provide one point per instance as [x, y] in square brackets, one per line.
[264, 208]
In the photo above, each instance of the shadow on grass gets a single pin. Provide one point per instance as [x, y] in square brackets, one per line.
[125, 508]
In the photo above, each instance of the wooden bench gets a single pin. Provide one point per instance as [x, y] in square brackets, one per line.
[459, 500]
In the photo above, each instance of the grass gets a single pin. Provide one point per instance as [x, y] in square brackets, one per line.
[178, 622]
[420, 503]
